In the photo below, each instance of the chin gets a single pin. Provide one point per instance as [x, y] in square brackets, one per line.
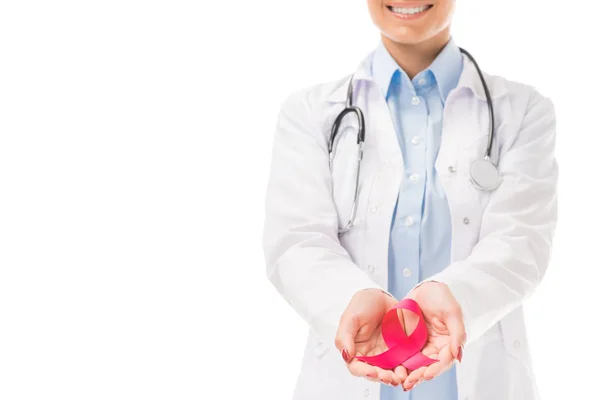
[407, 35]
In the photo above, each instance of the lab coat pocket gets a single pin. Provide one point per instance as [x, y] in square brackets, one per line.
[522, 380]
[473, 150]
[476, 146]
[483, 360]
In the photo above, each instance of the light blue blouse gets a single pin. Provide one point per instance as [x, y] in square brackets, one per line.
[420, 235]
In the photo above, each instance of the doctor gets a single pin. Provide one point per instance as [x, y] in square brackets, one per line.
[454, 205]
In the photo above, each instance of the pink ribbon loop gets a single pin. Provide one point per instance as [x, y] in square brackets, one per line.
[402, 349]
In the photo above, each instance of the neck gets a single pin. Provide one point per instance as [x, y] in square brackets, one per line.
[414, 58]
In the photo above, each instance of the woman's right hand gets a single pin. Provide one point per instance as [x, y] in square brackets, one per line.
[359, 333]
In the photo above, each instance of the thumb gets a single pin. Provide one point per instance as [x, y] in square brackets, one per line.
[346, 334]
[458, 336]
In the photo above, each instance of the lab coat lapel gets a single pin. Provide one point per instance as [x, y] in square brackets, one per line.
[466, 118]
[380, 130]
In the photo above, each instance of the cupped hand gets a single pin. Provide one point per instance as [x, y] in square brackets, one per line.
[359, 334]
[445, 328]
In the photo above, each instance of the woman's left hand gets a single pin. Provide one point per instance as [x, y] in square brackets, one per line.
[445, 328]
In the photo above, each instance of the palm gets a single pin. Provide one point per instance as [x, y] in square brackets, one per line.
[360, 331]
[438, 340]
[445, 329]
[369, 342]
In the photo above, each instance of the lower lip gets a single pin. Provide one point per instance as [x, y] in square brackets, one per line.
[406, 17]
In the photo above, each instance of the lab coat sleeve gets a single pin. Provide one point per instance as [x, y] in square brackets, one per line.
[304, 258]
[513, 252]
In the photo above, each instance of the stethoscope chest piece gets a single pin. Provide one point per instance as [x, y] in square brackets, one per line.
[485, 175]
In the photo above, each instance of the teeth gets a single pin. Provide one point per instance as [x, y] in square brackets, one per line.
[409, 11]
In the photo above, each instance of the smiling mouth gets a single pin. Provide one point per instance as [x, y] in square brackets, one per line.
[408, 11]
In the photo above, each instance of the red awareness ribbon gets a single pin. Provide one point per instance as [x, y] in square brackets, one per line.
[402, 349]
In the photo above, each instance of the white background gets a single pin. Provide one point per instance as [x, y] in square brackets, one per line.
[134, 150]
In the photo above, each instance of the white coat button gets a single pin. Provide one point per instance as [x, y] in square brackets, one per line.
[414, 178]
[415, 101]
[407, 272]
[374, 209]
[366, 392]
[319, 342]
[370, 268]
[415, 140]
[466, 221]
[451, 168]
[408, 221]
[516, 344]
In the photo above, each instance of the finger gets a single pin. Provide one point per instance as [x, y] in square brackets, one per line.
[414, 377]
[456, 329]
[359, 368]
[445, 362]
[387, 376]
[401, 373]
[392, 379]
[344, 339]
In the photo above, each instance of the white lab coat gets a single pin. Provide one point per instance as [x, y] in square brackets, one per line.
[501, 240]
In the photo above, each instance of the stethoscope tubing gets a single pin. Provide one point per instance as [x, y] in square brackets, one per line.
[488, 96]
[487, 170]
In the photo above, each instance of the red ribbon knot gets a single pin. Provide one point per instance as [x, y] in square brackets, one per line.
[402, 349]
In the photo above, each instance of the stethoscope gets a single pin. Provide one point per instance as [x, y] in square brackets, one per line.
[484, 174]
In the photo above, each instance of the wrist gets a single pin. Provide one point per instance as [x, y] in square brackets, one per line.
[375, 290]
[425, 283]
